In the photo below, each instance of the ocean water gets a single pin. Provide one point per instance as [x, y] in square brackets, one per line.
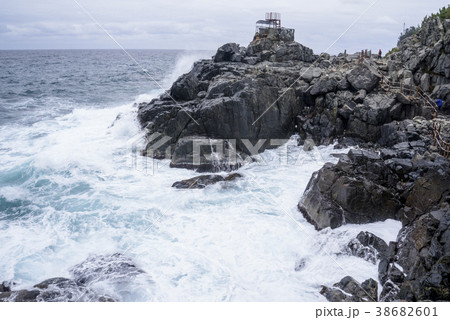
[71, 187]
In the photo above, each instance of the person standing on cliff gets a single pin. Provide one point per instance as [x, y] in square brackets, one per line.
[379, 54]
[439, 104]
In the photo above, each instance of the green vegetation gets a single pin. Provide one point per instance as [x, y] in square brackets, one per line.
[393, 50]
[443, 14]
[407, 33]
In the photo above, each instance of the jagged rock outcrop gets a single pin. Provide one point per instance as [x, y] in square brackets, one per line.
[416, 188]
[366, 186]
[368, 246]
[361, 78]
[350, 290]
[417, 266]
[358, 190]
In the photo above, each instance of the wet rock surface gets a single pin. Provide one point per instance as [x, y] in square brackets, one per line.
[111, 269]
[350, 290]
[415, 267]
[200, 182]
[367, 186]
[369, 247]
[418, 264]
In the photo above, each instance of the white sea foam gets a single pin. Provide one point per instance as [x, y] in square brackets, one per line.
[183, 65]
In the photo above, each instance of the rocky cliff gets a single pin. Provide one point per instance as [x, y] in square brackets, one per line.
[423, 59]
[268, 91]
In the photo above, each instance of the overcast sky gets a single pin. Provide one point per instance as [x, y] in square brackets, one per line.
[201, 24]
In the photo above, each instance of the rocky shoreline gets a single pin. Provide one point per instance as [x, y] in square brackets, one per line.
[395, 173]
[244, 100]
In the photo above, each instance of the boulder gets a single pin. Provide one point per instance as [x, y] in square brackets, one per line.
[363, 78]
[227, 52]
[324, 86]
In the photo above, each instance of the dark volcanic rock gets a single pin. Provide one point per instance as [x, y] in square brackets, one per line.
[367, 187]
[228, 112]
[185, 88]
[423, 59]
[264, 93]
[363, 78]
[429, 190]
[324, 86]
[349, 192]
[368, 246]
[417, 266]
[201, 182]
[20, 296]
[227, 52]
[4, 287]
[349, 290]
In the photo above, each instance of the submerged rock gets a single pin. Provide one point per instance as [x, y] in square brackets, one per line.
[56, 290]
[201, 182]
[111, 268]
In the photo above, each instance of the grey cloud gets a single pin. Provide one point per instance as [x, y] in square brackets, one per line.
[4, 29]
[204, 24]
